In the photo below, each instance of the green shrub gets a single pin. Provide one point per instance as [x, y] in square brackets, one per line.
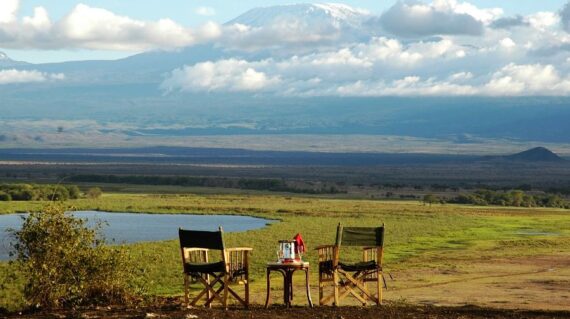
[65, 263]
[74, 192]
[94, 192]
[5, 197]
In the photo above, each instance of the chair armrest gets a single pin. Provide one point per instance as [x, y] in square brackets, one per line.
[199, 255]
[327, 252]
[246, 249]
[324, 247]
[195, 249]
[237, 263]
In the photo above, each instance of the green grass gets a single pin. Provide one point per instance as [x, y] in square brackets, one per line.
[434, 234]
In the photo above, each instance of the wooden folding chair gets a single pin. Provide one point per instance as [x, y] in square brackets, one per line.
[215, 276]
[351, 279]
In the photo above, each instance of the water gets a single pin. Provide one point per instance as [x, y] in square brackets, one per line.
[130, 228]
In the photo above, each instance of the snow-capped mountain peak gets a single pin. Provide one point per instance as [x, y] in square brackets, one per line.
[334, 14]
[342, 11]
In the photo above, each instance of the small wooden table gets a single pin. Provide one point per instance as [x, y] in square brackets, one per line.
[287, 270]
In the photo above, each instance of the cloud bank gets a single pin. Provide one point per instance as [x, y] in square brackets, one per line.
[417, 19]
[94, 28]
[13, 76]
[437, 47]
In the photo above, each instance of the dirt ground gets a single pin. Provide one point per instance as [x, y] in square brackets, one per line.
[540, 282]
[522, 287]
[387, 312]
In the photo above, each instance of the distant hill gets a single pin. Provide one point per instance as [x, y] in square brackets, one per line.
[537, 154]
[6, 62]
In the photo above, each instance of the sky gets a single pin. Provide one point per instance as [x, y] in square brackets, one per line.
[382, 48]
[193, 13]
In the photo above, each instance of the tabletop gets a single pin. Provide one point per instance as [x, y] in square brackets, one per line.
[296, 264]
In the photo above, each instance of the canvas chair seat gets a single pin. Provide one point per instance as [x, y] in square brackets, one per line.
[359, 266]
[327, 266]
[193, 268]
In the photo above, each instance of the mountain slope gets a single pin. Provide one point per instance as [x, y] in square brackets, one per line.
[6, 62]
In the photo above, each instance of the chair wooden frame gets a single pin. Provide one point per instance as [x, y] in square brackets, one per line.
[350, 282]
[217, 282]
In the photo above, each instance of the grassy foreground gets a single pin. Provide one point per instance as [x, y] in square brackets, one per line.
[417, 235]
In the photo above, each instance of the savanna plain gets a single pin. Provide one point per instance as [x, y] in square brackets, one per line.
[458, 257]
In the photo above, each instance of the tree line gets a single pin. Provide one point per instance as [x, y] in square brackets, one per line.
[514, 198]
[44, 192]
[267, 184]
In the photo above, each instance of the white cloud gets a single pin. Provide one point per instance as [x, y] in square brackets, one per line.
[535, 79]
[508, 43]
[543, 20]
[441, 17]
[461, 76]
[378, 59]
[206, 11]
[484, 15]
[225, 75]
[12, 76]
[95, 28]
[8, 10]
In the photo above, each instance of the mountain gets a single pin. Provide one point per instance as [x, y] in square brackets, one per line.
[537, 154]
[124, 96]
[335, 15]
[6, 62]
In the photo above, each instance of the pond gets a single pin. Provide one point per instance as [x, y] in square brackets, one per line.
[132, 227]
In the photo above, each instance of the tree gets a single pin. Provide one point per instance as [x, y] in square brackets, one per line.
[74, 192]
[5, 197]
[431, 199]
[94, 192]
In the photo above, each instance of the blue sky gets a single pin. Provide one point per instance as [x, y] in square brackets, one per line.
[184, 12]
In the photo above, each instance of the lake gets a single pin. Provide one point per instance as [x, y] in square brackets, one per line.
[134, 227]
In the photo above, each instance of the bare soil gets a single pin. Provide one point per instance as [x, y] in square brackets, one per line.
[387, 312]
[534, 283]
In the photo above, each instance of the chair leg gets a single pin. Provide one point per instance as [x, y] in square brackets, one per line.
[321, 287]
[226, 284]
[379, 283]
[365, 285]
[247, 289]
[336, 288]
[186, 290]
[209, 293]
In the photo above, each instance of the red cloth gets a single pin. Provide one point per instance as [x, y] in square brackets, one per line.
[299, 244]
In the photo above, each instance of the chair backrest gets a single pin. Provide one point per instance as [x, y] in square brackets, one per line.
[360, 236]
[201, 239]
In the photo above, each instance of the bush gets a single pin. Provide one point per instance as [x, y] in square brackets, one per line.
[94, 192]
[74, 192]
[5, 197]
[66, 263]
[42, 192]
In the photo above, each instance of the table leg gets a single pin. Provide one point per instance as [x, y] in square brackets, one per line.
[287, 288]
[291, 284]
[268, 298]
[308, 288]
